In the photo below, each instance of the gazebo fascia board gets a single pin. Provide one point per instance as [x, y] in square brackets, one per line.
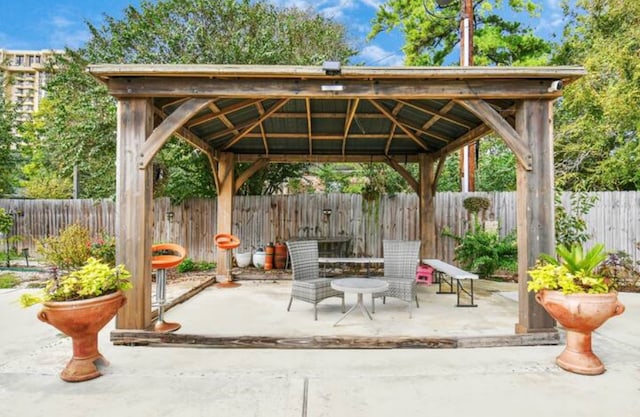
[514, 102]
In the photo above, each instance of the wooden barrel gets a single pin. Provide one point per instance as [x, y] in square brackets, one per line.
[268, 259]
[280, 259]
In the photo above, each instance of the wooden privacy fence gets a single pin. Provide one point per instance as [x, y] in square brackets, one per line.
[258, 220]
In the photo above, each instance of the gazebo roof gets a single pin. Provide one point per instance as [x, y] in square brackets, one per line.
[296, 113]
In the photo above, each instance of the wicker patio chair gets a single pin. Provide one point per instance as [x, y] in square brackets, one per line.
[307, 285]
[400, 266]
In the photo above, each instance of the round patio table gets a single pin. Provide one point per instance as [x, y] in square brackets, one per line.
[359, 286]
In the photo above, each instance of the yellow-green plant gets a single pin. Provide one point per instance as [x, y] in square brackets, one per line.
[94, 279]
[67, 251]
[574, 271]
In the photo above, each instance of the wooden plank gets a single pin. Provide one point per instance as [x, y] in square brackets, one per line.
[184, 297]
[223, 112]
[499, 125]
[189, 137]
[535, 208]
[287, 158]
[347, 123]
[168, 127]
[312, 88]
[142, 338]
[106, 71]
[469, 137]
[134, 219]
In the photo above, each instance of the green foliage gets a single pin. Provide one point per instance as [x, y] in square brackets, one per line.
[8, 281]
[189, 265]
[484, 252]
[597, 122]
[625, 271]
[104, 248]
[271, 179]
[94, 279]
[67, 251]
[574, 271]
[6, 221]
[571, 228]
[432, 34]
[496, 166]
[76, 125]
[9, 157]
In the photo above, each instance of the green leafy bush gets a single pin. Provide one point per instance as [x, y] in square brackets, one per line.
[574, 271]
[67, 251]
[95, 278]
[475, 204]
[189, 265]
[484, 252]
[104, 248]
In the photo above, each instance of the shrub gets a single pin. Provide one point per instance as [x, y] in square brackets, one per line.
[104, 248]
[8, 281]
[67, 251]
[189, 265]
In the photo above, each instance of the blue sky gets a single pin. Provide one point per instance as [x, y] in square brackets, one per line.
[54, 24]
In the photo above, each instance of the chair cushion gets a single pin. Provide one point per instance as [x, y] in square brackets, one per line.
[312, 283]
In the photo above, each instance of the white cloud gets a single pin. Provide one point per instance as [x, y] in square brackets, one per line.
[375, 55]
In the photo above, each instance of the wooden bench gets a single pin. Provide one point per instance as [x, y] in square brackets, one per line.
[444, 270]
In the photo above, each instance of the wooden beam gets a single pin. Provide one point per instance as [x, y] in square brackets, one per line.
[413, 183]
[427, 208]
[223, 112]
[499, 125]
[316, 158]
[134, 208]
[534, 207]
[257, 165]
[263, 134]
[296, 88]
[189, 137]
[318, 136]
[438, 114]
[348, 121]
[255, 123]
[223, 118]
[413, 137]
[471, 136]
[307, 103]
[167, 128]
[392, 131]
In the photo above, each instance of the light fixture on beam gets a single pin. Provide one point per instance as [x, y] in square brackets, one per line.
[331, 67]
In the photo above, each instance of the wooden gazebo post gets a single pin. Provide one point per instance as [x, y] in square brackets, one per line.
[134, 210]
[427, 207]
[535, 207]
[226, 191]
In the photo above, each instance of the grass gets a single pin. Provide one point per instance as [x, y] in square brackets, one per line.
[8, 280]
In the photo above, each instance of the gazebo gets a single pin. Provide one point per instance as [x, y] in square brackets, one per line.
[278, 114]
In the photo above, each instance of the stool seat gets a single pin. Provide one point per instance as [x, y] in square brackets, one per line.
[424, 275]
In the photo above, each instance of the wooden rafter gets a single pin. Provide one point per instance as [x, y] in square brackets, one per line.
[439, 169]
[394, 120]
[222, 112]
[223, 118]
[263, 135]
[392, 131]
[188, 136]
[348, 121]
[289, 158]
[307, 103]
[167, 127]
[439, 114]
[330, 136]
[255, 123]
[462, 141]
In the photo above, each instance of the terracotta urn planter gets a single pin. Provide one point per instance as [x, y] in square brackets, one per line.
[82, 320]
[580, 314]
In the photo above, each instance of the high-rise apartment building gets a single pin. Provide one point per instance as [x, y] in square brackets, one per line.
[24, 78]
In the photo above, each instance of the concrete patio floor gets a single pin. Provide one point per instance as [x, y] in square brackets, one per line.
[179, 381]
[259, 307]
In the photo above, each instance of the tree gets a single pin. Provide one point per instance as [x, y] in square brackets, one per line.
[597, 120]
[79, 126]
[431, 33]
[8, 145]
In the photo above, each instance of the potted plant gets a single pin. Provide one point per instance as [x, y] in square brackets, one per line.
[574, 292]
[80, 298]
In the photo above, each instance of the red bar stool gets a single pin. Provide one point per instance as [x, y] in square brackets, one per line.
[424, 275]
[161, 262]
[227, 242]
